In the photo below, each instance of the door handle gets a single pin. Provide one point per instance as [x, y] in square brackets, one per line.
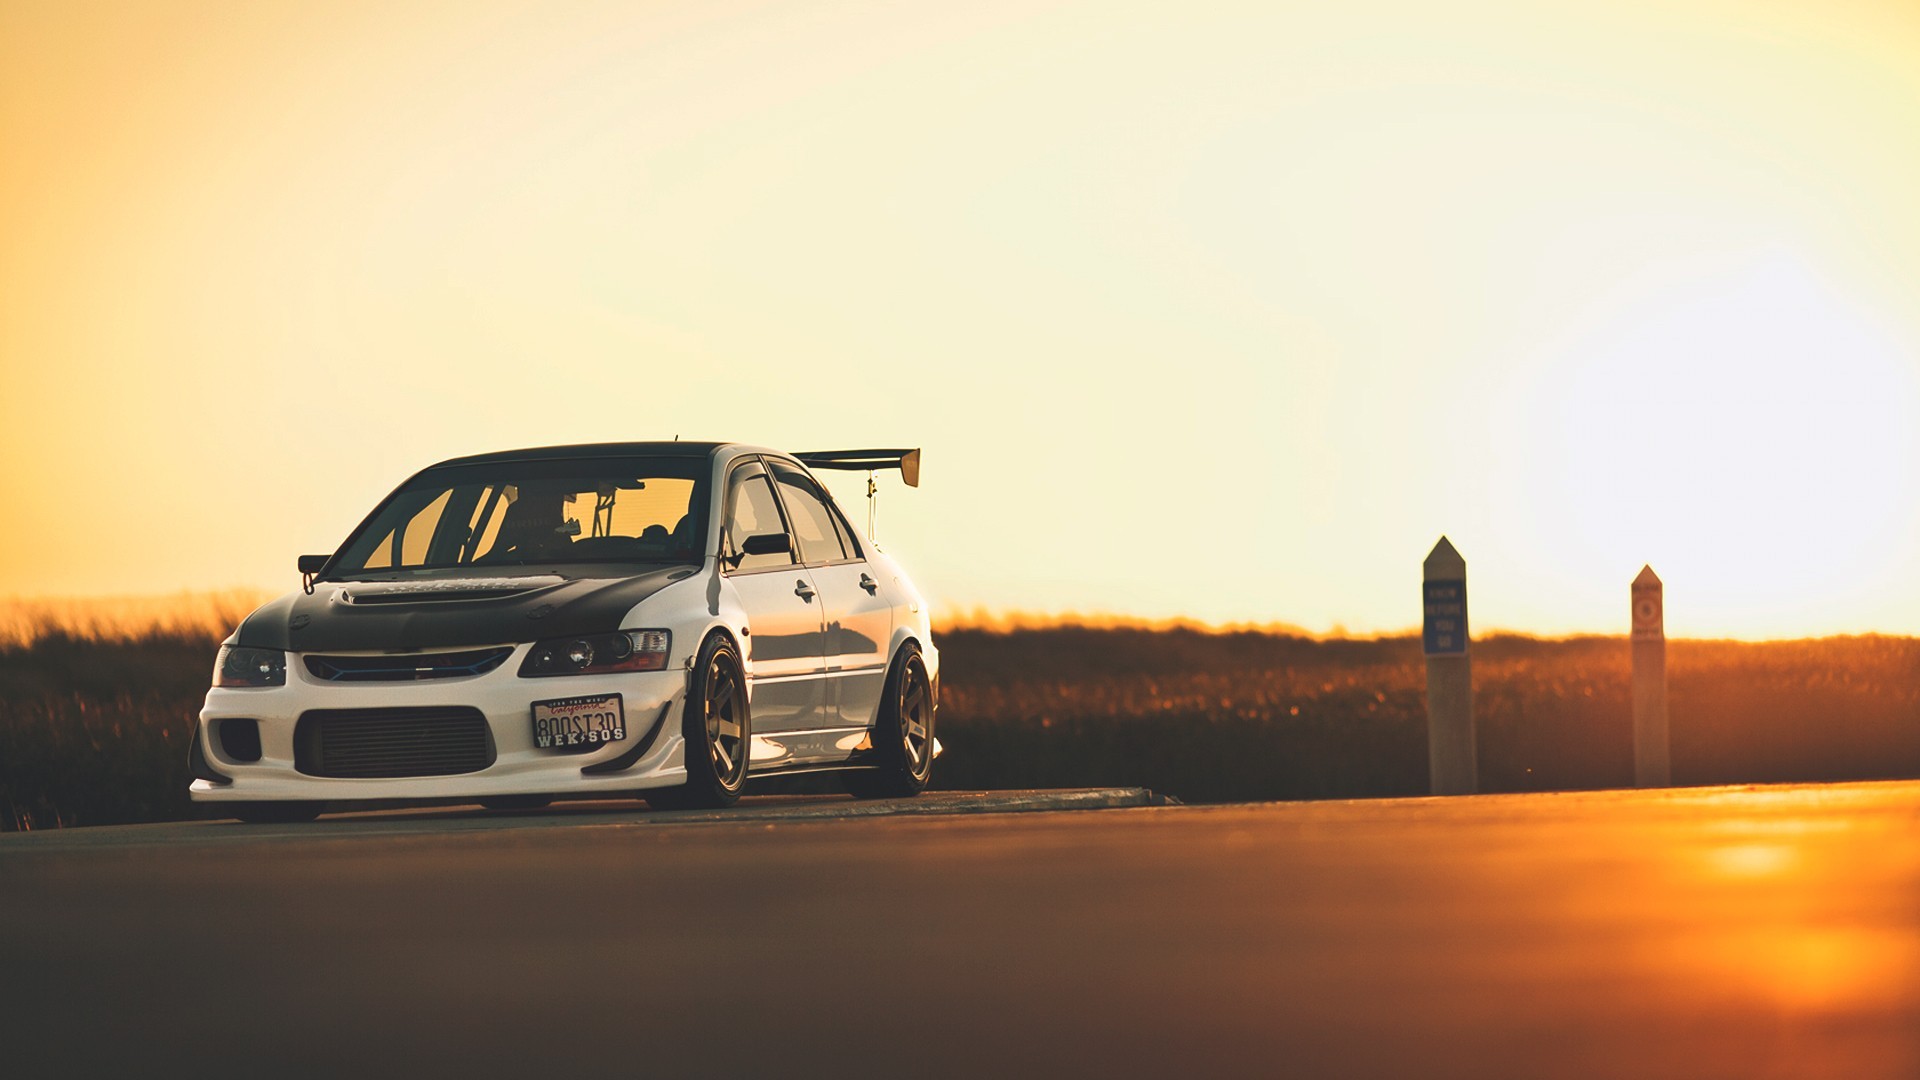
[804, 591]
[872, 586]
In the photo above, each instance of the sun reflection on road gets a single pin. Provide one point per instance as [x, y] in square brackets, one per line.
[1752, 860]
[1787, 941]
[1821, 969]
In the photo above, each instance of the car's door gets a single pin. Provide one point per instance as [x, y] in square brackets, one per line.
[858, 610]
[784, 612]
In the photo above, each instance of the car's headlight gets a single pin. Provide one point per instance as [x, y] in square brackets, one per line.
[594, 654]
[241, 665]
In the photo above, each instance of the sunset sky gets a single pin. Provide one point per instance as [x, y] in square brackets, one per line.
[1216, 310]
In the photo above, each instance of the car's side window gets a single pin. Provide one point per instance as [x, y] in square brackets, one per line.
[751, 511]
[812, 521]
[847, 539]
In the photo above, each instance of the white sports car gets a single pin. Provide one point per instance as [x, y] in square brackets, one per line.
[653, 618]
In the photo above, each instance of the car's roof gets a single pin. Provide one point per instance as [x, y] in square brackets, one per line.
[590, 450]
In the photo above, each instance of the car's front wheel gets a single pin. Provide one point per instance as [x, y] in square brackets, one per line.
[275, 813]
[902, 735]
[717, 727]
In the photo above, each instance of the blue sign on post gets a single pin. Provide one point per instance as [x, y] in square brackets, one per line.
[1444, 629]
[1453, 762]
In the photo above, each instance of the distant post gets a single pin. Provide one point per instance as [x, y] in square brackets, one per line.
[1651, 767]
[1452, 761]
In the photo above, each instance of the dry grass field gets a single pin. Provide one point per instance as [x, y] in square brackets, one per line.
[94, 724]
[1226, 717]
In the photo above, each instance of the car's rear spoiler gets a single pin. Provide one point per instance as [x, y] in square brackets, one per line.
[907, 461]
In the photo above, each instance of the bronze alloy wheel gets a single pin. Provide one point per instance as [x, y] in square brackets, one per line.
[915, 710]
[726, 726]
[718, 730]
[902, 757]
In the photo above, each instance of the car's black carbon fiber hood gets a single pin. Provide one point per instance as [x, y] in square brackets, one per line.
[456, 609]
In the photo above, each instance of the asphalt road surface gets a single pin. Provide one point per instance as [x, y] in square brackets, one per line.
[1754, 932]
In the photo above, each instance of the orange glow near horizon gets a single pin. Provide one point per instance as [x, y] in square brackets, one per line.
[1221, 314]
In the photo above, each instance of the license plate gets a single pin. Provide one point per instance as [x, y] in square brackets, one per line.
[576, 725]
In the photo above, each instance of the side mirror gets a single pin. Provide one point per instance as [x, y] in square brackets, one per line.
[312, 564]
[767, 544]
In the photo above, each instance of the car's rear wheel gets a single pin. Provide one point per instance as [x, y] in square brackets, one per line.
[717, 727]
[275, 813]
[517, 802]
[903, 733]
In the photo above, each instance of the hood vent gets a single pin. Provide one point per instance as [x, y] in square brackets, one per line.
[443, 591]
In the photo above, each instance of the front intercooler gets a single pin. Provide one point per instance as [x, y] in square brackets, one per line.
[386, 743]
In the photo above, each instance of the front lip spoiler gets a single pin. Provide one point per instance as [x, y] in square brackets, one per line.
[625, 761]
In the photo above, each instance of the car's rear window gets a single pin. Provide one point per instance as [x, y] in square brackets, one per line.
[531, 512]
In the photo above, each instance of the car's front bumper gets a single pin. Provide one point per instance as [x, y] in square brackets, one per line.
[501, 696]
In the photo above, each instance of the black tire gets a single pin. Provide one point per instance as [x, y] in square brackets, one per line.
[902, 733]
[717, 726]
[517, 802]
[276, 813]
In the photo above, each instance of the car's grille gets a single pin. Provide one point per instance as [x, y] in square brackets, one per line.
[370, 743]
[407, 667]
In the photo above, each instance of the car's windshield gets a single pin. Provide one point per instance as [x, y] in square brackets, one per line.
[524, 512]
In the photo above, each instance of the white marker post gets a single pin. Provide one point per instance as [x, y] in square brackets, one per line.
[1651, 767]
[1452, 761]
